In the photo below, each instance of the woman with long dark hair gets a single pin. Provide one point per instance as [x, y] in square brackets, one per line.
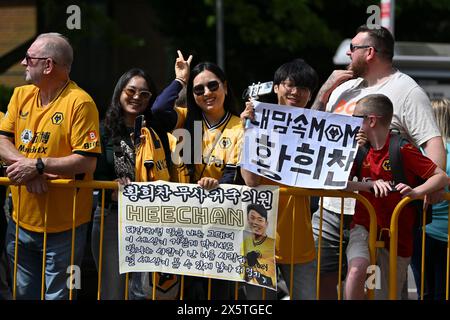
[211, 105]
[211, 110]
[135, 94]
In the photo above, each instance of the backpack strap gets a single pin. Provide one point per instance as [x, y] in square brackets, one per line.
[155, 140]
[359, 158]
[395, 158]
[398, 173]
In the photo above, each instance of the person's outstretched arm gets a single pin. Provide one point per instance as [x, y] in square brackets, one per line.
[379, 187]
[163, 108]
[438, 180]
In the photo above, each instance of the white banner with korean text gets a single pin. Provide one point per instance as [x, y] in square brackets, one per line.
[300, 147]
[224, 233]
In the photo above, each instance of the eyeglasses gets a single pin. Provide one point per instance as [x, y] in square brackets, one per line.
[132, 92]
[290, 87]
[353, 47]
[28, 58]
[212, 86]
[363, 116]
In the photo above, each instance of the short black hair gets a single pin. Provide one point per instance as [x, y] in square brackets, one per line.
[258, 208]
[298, 71]
[381, 39]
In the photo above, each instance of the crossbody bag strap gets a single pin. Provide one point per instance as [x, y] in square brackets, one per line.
[213, 147]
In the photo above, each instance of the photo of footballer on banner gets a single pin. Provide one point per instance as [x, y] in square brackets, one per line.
[258, 248]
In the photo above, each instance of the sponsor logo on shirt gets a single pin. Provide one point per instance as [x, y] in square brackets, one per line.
[91, 145]
[57, 118]
[41, 137]
[92, 135]
[225, 143]
[23, 115]
[26, 136]
[386, 165]
[32, 149]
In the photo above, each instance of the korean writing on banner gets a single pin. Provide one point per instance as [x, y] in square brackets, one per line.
[224, 233]
[300, 147]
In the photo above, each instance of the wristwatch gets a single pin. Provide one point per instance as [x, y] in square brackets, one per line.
[40, 166]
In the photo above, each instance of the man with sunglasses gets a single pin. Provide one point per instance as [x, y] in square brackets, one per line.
[371, 71]
[51, 130]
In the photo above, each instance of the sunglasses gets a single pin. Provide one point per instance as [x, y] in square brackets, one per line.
[131, 92]
[353, 47]
[366, 116]
[28, 58]
[212, 86]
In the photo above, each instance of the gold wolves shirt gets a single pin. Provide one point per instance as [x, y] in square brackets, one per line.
[151, 164]
[178, 170]
[221, 145]
[260, 260]
[2, 164]
[68, 125]
[290, 207]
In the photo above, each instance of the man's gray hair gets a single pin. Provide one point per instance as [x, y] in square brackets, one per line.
[58, 48]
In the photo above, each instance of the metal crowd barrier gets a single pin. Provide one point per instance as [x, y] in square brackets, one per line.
[393, 246]
[338, 194]
[296, 192]
[62, 183]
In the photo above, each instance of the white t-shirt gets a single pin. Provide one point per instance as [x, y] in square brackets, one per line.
[413, 115]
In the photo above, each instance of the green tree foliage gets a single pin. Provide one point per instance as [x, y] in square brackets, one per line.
[259, 34]
[423, 20]
[262, 34]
